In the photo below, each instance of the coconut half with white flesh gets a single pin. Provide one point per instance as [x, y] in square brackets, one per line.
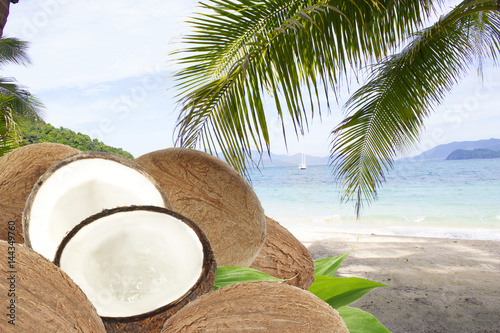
[138, 265]
[78, 187]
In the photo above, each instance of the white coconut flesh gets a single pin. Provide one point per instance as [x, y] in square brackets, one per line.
[130, 263]
[80, 189]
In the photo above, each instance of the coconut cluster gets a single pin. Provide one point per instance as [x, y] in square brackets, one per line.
[133, 246]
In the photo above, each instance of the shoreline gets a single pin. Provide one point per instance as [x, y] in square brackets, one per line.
[307, 237]
[310, 231]
[435, 284]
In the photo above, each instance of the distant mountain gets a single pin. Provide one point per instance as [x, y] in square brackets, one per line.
[474, 154]
[441, 152]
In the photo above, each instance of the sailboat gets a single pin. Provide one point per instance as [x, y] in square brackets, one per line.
[302, 165]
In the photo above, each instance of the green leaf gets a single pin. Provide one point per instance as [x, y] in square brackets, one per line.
[339, 292]
[329, 266]
[359, 321]
[228, 275]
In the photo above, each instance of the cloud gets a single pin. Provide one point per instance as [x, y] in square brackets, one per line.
[81, 42]
[98, 89]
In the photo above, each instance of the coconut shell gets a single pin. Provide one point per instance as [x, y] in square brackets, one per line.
[153, 321]
[216, 197]
[261, 306]
[41, 297]
[19, 171]
[285, 257]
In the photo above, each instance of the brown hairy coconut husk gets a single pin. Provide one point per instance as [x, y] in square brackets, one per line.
[138, 265]
[78, 187]
[216, 197]
[285, 257]
[19, 171]
[38, 296]
[261, 306]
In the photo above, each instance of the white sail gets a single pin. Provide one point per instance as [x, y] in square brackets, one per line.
[303, 165]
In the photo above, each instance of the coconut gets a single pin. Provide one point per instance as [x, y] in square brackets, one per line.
[78, 187]
[261, 306]
[216, 197]
[19, 171]
[138, 265]
[285, 257]
[37, 296]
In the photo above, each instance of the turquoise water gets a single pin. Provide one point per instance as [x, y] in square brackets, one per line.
[451, 199]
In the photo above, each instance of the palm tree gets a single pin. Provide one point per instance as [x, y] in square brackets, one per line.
[16, 103]
[241, 50]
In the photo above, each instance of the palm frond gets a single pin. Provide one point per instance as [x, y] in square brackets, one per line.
[19, 100]
[9, 135]
[16, 103]
[15, 108]
[13, 50]
[387, 113]
[242, 50]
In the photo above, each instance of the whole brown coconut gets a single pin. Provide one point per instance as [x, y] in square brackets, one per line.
[216, 197]
[37, 296]
[285, 257]
[19, 171]
[261, 306]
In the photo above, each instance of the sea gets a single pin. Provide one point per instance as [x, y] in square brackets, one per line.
[458, 199]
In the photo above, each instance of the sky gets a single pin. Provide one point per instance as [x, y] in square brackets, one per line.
[103, 68]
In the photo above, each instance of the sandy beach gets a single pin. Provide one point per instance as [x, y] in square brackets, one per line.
[435, 284]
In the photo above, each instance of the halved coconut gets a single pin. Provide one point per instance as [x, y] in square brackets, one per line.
[38, 296]
[257, 307]
[78, 187]
[138, 265]
[216, 197]
[19, 171]
[285, 257]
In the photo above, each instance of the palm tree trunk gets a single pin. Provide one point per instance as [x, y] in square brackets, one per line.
[4, 12]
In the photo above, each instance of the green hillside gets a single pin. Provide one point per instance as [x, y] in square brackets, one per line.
[42, 132]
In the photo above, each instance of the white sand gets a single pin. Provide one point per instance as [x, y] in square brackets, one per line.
[436, 285]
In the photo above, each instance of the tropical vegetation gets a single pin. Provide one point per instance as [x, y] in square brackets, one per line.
[35, 132]
[338, 292]
[16, 103]
[244, 55]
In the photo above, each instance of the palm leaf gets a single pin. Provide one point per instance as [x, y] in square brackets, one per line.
[9, 136]
[16, 103]
[387, 113]
[19, 100]
[241, 51]
[13, 50]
